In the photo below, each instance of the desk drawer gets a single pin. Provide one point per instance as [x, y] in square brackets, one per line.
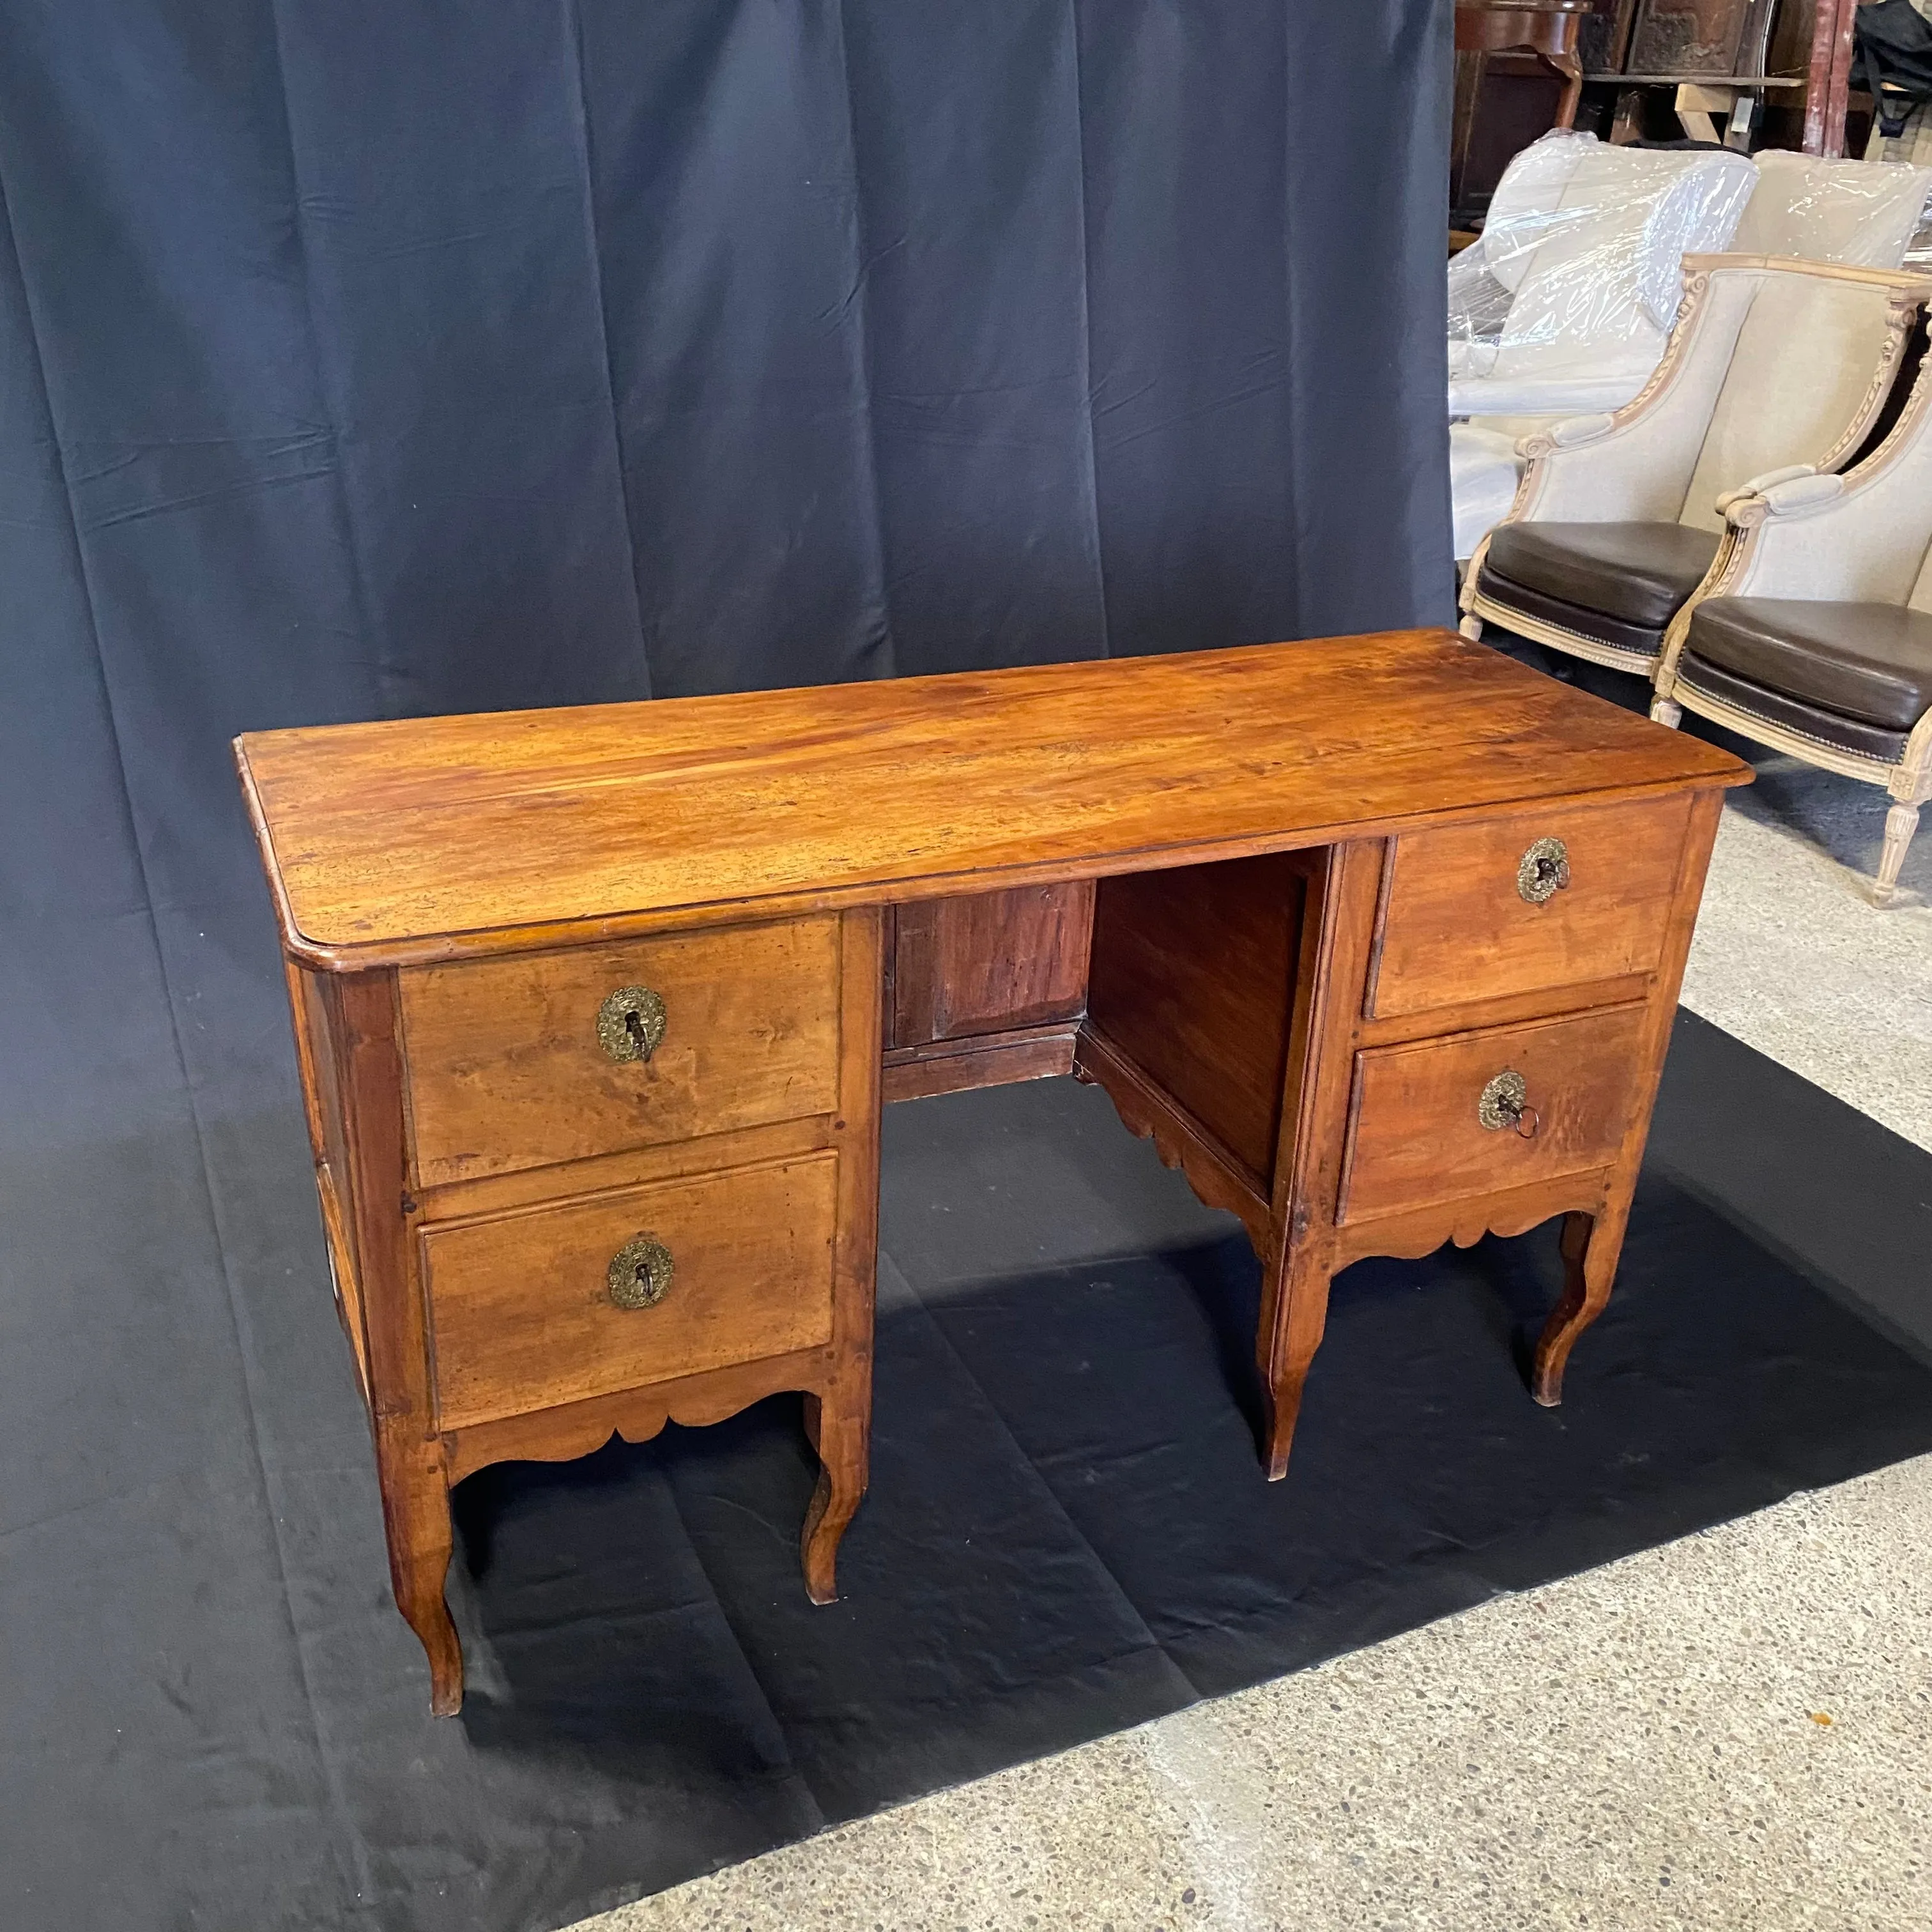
[637, 1285]
[509, 1066]
[1517, 905]
[1421, 1134]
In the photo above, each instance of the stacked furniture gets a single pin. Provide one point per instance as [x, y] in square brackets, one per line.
[1565, 303]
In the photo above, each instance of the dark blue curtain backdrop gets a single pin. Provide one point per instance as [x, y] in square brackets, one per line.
[367, 357]
[363, 358]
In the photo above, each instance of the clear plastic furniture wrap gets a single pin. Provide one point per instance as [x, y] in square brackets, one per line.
[1863, 213]
[1859, 213]
[1619, 525]
[1563, 304]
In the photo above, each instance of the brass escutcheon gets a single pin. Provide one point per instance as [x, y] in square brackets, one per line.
[631, 1023]
[1544, 870]
[639, 1273]
[1503, 1101]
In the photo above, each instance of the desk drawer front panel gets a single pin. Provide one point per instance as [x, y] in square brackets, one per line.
[555, 1304]
[1422, 1135]
[510, 1067]
[1516, 905]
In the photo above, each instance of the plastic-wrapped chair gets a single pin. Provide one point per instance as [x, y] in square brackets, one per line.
[1860, 213]
[1815, 637]
[1619, 520]
[1563, 304]
[1853, 212]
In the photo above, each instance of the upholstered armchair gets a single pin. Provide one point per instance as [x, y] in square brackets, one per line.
[1564, 302]
[1618, 521]
[1815, 636]
[1575, 336]
[1863, 213]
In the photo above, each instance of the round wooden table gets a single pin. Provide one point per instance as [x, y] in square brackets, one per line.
[1548, 28]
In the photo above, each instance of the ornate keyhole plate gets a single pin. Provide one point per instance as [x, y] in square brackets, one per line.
[639, 1273]
[1544, 870]
[631, 1023]
[1503, 1100]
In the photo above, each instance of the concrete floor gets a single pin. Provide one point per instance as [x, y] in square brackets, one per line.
[1791, 957]
[1732, 1731]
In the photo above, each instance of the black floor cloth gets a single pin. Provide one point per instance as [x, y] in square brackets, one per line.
[214, 1717]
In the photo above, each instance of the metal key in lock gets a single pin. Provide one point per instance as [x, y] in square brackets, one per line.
[631, 1023]
[1505, 1103]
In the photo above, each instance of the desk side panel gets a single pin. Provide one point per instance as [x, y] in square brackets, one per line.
[1192, 981]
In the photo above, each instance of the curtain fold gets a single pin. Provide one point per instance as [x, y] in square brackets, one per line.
[367, 359]
[434, 356]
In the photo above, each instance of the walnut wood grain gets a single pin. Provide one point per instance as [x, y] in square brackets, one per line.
[1336, 930]
[989, 962]
[631, 1167]
[575, 1429]
[1592, 1245]
[1303, 852]
[506, 1071]
[409, 1452]
[342, 1277]
[1510, 1211]
[1454, 919]
[310, 996]
[1469, 1014]
[839, 1411]
[1414, 1136]
[521, 1307]
[1192, 979]
[427, 838]
[983, 1059]
[1217, 1177]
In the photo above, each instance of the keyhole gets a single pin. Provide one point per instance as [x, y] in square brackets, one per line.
[642, 1274]
[634, 1026]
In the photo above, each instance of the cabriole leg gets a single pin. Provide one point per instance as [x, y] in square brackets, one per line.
[1287, 1353]
[839, 1425]
[1591, 1244]
[415, 1515]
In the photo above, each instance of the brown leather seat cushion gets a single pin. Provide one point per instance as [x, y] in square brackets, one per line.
[1871, 661]
[1695, 674]
[1639, 573]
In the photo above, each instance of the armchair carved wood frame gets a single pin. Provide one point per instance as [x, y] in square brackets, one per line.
[1661, 459]
[1850, 543]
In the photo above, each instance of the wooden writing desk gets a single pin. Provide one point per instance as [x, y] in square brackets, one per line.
[1379, 938]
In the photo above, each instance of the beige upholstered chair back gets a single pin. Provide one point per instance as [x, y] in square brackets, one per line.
[1599, 232]
[1789, 352]
[1921, 599]
[1774, 366]
[1858, 212]
[1863, 538]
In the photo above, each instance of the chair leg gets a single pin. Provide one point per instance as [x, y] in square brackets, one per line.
[1472, 627]
[1901, 823]
[1665, 713]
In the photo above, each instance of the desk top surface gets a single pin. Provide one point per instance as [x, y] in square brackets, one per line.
[424, 838]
